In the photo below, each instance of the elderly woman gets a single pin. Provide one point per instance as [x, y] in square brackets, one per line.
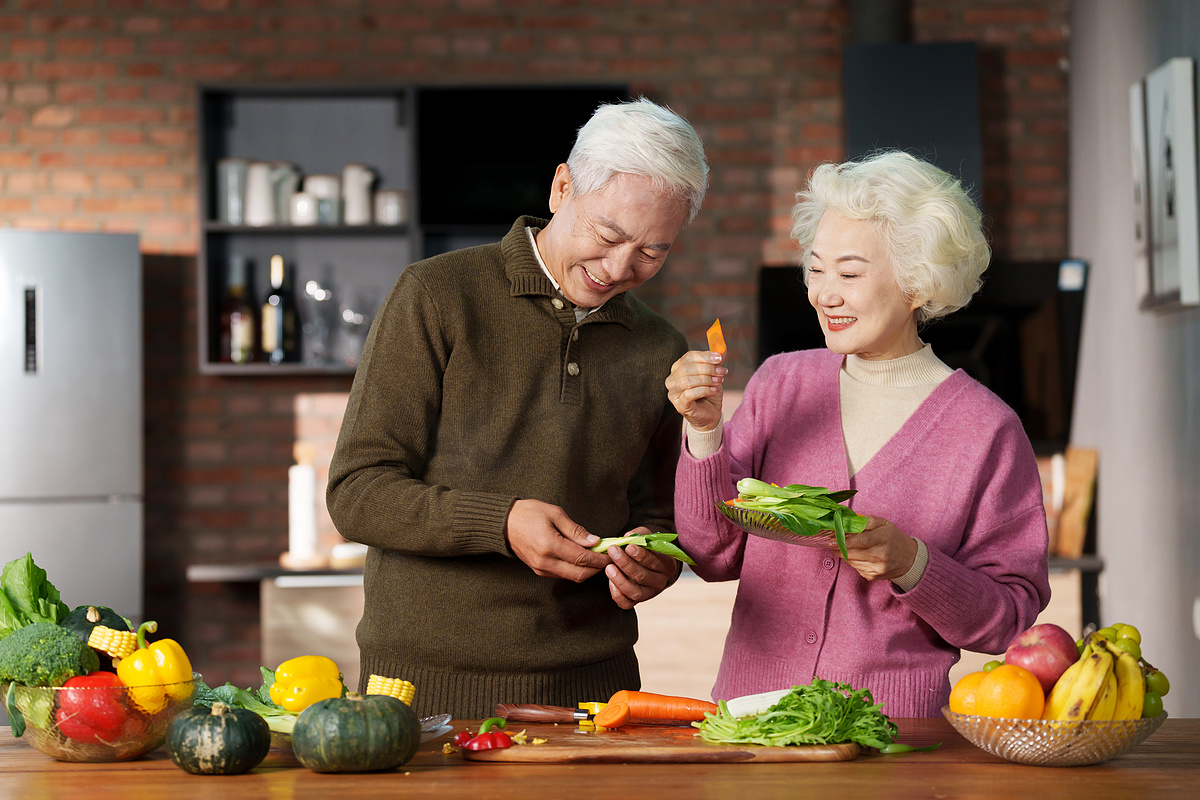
[954, 552]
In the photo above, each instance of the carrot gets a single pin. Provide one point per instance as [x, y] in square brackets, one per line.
[716, 338]
[613, 715]
[647, 707]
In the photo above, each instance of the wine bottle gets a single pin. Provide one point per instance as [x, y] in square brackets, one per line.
[238, 328]
[280, 321]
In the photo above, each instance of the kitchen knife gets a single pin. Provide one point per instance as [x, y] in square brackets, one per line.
[522, 712]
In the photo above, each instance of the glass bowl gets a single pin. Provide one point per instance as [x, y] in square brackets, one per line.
[135, 718]
[1053, 743]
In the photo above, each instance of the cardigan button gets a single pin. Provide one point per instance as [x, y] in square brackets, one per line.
[572, 369]
[575, 335]
[811, 638]
[557, 303]
[827, 563]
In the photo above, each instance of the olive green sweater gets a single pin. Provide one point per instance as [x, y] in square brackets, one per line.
[477, 387]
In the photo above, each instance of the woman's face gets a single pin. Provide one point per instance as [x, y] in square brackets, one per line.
[853, 288]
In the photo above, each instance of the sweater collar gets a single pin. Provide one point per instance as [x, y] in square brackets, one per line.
[526, 277]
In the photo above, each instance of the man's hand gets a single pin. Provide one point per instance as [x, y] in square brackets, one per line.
[637, 574]
[553, 545]
[880, 551]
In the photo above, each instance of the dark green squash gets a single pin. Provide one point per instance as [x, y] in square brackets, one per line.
[356, 734]
[82, 619]
[221, 740]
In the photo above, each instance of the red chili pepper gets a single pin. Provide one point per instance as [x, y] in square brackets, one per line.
[88, 713]
[489, 739]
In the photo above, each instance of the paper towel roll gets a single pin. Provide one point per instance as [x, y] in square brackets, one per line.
[302, 512]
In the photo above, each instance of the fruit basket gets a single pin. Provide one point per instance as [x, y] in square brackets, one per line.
[1053, 743]
[135, 720]
[767, 525]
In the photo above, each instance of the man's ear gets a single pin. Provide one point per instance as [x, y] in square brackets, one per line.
[560, 187]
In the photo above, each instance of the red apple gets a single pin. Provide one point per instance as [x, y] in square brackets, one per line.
[1046, 650]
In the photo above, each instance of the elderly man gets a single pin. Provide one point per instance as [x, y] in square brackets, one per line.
[507, 414]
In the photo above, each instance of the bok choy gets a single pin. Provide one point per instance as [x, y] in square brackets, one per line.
[804, 510]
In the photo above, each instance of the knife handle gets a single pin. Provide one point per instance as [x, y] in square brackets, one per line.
[522, 712]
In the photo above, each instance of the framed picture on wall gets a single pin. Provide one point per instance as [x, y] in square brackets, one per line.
[1169, 186]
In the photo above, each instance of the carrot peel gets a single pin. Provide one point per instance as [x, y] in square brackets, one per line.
[716, 338]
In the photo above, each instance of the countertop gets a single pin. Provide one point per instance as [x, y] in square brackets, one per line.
[1167, 765]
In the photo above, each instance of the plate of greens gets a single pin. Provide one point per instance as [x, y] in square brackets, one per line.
[809, 516]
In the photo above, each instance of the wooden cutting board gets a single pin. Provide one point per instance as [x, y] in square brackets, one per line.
[567, 744]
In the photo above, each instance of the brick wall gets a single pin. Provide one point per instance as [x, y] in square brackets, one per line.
[97, 132]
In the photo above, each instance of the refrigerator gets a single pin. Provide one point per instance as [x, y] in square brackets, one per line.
[71, 434]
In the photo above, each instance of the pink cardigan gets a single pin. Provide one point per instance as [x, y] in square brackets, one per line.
[960, 475]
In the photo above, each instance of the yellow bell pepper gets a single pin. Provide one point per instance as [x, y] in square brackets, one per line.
[156, 672]
[304, 680]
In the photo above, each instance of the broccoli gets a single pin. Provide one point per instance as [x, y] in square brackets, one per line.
[44, 654]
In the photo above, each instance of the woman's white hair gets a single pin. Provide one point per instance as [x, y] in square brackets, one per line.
[932, 229]
[641, 138]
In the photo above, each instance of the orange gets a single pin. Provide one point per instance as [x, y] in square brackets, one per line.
[1006, 691]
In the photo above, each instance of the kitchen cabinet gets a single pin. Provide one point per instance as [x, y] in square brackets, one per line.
[474, 158]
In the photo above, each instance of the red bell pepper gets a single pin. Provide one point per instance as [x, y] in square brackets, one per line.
[88, 713]
[488, 739]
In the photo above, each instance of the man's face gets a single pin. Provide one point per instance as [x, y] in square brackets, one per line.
[599, 245]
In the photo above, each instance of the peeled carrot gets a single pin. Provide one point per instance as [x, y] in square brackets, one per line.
[613, 715]
[716, 338]
[647, 707]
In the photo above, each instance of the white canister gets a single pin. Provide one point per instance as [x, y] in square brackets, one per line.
[356, 194]
[260, 195]
[391, 208]
[327, 193]
[302, 209]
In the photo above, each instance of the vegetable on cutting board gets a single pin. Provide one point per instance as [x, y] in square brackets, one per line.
[822, 712]
[658, 542]
[488, 739]
[648, 708]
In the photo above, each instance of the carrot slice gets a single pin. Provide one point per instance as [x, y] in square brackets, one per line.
[661, 708]
[613, 715]
[716, 338]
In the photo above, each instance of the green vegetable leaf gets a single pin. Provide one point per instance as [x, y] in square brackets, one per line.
[804, 510]
[819, 713]
[30, 596]
[658, 542]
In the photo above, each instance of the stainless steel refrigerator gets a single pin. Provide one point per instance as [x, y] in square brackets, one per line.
[71, 441]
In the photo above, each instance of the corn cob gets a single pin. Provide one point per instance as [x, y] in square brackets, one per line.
[117, 644]
[393, 687]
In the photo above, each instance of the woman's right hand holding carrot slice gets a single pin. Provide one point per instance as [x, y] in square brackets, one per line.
[695, 385]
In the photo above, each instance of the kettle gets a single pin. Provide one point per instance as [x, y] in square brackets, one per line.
[356, 194]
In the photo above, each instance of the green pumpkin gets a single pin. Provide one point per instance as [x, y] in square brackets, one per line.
[82, 619]
[356, 734]
[221, 740]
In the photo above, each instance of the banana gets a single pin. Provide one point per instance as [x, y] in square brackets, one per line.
[1085, 689]
[1056, 701]
[1131, 685]
[1106, 703]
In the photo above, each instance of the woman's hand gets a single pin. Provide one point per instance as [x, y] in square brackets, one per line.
[695, 388]
[881, 551]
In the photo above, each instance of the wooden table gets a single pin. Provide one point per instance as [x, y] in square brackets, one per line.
[1167, 765]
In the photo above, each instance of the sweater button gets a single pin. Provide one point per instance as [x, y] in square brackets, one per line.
[827, 563]
[557, 303]
[575, 335]
[572, 369]
[811, 638]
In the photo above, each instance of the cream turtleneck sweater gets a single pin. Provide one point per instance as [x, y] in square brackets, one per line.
[877, 398]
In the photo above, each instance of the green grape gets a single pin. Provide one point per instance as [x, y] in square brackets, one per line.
[1157, 682]
[1129, 646]
[1108, 633]
[1126, 631]
[1152, 706]
[991, 665]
